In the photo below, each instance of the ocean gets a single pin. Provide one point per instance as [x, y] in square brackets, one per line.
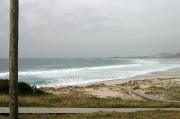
[77, 71]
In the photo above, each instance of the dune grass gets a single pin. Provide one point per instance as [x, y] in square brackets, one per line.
[72, 98]
[79, 99]
[171, 92]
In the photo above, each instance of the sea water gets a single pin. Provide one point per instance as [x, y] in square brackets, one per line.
[77, 71]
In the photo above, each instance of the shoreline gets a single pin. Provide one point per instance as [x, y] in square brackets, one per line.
[158, 86]
[153, 75]
[150, 76]
[89, 75]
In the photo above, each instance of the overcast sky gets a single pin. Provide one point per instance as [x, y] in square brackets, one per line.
[93, 28]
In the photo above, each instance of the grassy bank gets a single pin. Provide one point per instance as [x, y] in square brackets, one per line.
[101, 115]
[73, 97]
[79, 99]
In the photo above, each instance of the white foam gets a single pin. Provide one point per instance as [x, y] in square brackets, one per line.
[56, 71]
[146, 61]
[78, 76]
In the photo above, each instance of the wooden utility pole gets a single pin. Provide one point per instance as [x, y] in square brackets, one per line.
[13, 59]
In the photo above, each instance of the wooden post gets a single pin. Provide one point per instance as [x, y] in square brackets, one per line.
[13, 59]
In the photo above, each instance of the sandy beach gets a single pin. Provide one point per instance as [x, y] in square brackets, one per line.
[155, 86]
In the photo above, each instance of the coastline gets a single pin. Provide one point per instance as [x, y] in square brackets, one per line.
[88, 72]
[158, 89]
[158, 86]
[172, 73]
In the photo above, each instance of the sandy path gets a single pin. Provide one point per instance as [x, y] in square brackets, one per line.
[43, 110]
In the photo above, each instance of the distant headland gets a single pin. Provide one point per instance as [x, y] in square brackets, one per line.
[159, 55]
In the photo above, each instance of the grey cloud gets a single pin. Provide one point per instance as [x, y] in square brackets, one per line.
[91, 28]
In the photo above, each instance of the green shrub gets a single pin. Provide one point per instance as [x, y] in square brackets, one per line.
[23, 88]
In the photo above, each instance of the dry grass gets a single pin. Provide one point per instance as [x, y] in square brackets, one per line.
[79, 99]
[172, 92]
[75, 97]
